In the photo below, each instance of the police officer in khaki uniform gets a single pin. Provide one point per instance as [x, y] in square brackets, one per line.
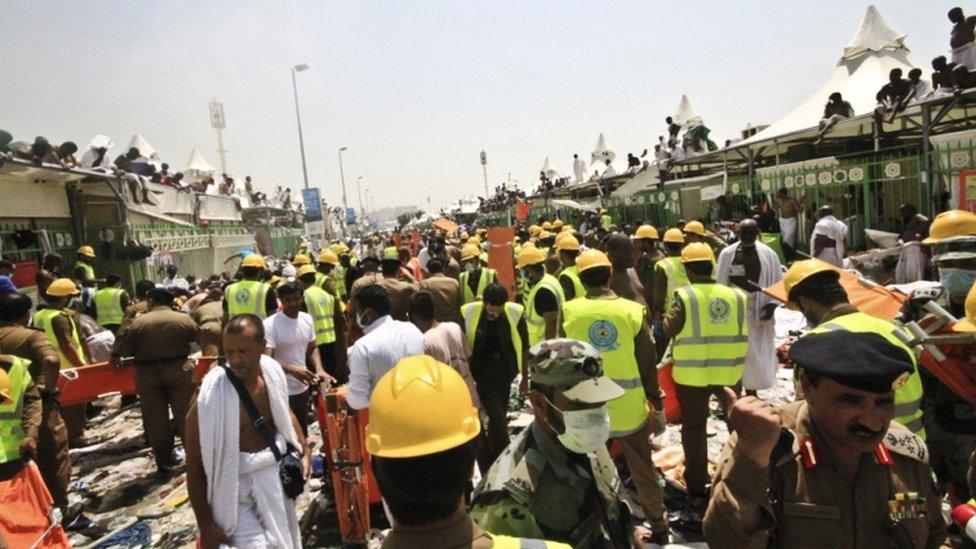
[833, 470]
[52, 437]
[160, 342]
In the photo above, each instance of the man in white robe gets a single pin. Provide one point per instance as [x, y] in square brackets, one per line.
[751, 265]
[827, 240]
[232, 475]
[579, 169]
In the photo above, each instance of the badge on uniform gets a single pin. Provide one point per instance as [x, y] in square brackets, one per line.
[906, 505]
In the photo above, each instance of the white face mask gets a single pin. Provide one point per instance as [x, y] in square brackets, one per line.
[361, 322]
[586, 430]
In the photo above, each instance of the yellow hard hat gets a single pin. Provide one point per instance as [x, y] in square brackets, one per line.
[274, 281]
[481, 230]
[697, 251]
[254, 260]
[530, 256]
[328, 256]
[303, 244]
[62, 287]
[463, 235]
[951, 224]
[695, 227]
[557, 224]
[420, 407]
[674, 236]
[566, 241]
[469, 251]
[567, 229]
[305, 270]
[968, 324]
[528, 244]
[801, 270]
[546, 225]
[474, 240]
[646, 231]
[544, 234]
[5, 388]
[534, 230]
[301, 259]
[87, 251]
[590, 259]
[483, 257]
[390, 253]
[341, 249]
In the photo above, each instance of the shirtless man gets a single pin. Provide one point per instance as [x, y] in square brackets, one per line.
[789, 207]
[962, 41]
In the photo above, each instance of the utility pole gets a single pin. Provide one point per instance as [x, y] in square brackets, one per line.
[218, 123]
[301, 141]
[484, 170]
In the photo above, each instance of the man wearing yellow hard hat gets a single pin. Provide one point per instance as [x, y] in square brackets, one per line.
[569, 249]
[618, 329]
[421, 436]
[328, 321]
[669, 275]
[645, 244]
[474, 278]
[545, 299]
[328, 262]
[250, 295]
[84, 274]
[711, 339]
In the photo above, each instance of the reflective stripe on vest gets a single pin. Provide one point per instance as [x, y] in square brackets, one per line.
[909, 396]
[247, 297]
[108, 306]
[536, 323]
[11, 426]
[89, 270]
[573, 275]
[677, 277]
[321, 305]
[471, 313]
[486, 278]
[611, 325]
[42, 321]
[712, 345]
[506, 542]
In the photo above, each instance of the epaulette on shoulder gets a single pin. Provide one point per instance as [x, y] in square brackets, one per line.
[903, 442]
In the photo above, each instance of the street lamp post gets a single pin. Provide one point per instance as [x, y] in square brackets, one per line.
[366, 214]
[301, 141]
[342, 178]
[359, 193]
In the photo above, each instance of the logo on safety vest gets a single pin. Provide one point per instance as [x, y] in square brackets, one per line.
[718, 310]
[242, 296]
[603, 335]
[323, 302]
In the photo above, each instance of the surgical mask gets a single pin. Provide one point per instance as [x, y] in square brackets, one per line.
[361, 321]
[586, 430]
[957, 281]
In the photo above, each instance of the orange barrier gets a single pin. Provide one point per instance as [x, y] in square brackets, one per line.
[352, 478]
[501, 255]
[672, 409]
[26, 502]
[94, 381]
[204, 363]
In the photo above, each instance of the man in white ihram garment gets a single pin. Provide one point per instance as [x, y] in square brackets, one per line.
[827, 240]
[579, 169]
[232, 475]
[752, 265]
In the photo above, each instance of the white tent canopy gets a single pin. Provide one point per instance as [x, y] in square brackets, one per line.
[686, 114]
[145, 149]
[602, 153]
[874, 50]
[197, 164]
[550, 172]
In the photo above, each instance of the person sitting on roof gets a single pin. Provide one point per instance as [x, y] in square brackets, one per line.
[835, 110]
[922, 87]
[66, 154]
[942, 79]
[962, 41]
[892, 99]
[610, 171]
[963, 78]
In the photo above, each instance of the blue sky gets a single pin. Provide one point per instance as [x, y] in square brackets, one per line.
[416, 89]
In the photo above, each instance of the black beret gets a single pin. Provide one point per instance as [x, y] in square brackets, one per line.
[861, 360]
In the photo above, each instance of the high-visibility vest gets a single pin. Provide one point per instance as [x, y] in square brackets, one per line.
[606, 221]
[108, 306]
[909, 396]
[611, 325]
[535, 322]
[471, 313]
[247, 297]
[89, 270]
[11, 427]
[674, 270]
[506, 542]
[486, 278]
[573, 275]
[321, 305]
[42, 321]
[712, 345]
[339, 277]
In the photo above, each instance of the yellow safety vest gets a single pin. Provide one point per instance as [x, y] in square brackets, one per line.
[674, 270]
[321, 305]
[42, 321]
[908, 398]
[712, 345]
[246, 297]
[573, 275]
[611, 325]
[108, 306]
[506, 542]
[471, 313]
[89, 270]
[486, 278]
[606, 222]
[535, 322]
[11, 427]
[339, 277]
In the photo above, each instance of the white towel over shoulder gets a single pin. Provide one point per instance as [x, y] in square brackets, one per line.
[218, 412]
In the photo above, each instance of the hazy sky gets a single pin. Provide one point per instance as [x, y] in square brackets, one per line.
[416, 89]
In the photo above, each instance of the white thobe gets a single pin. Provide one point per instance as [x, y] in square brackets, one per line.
[579, 170]
[836, 230]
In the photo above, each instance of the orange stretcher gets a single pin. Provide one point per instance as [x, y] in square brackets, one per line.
[352, 478]
[28, 517]
[88, 383]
